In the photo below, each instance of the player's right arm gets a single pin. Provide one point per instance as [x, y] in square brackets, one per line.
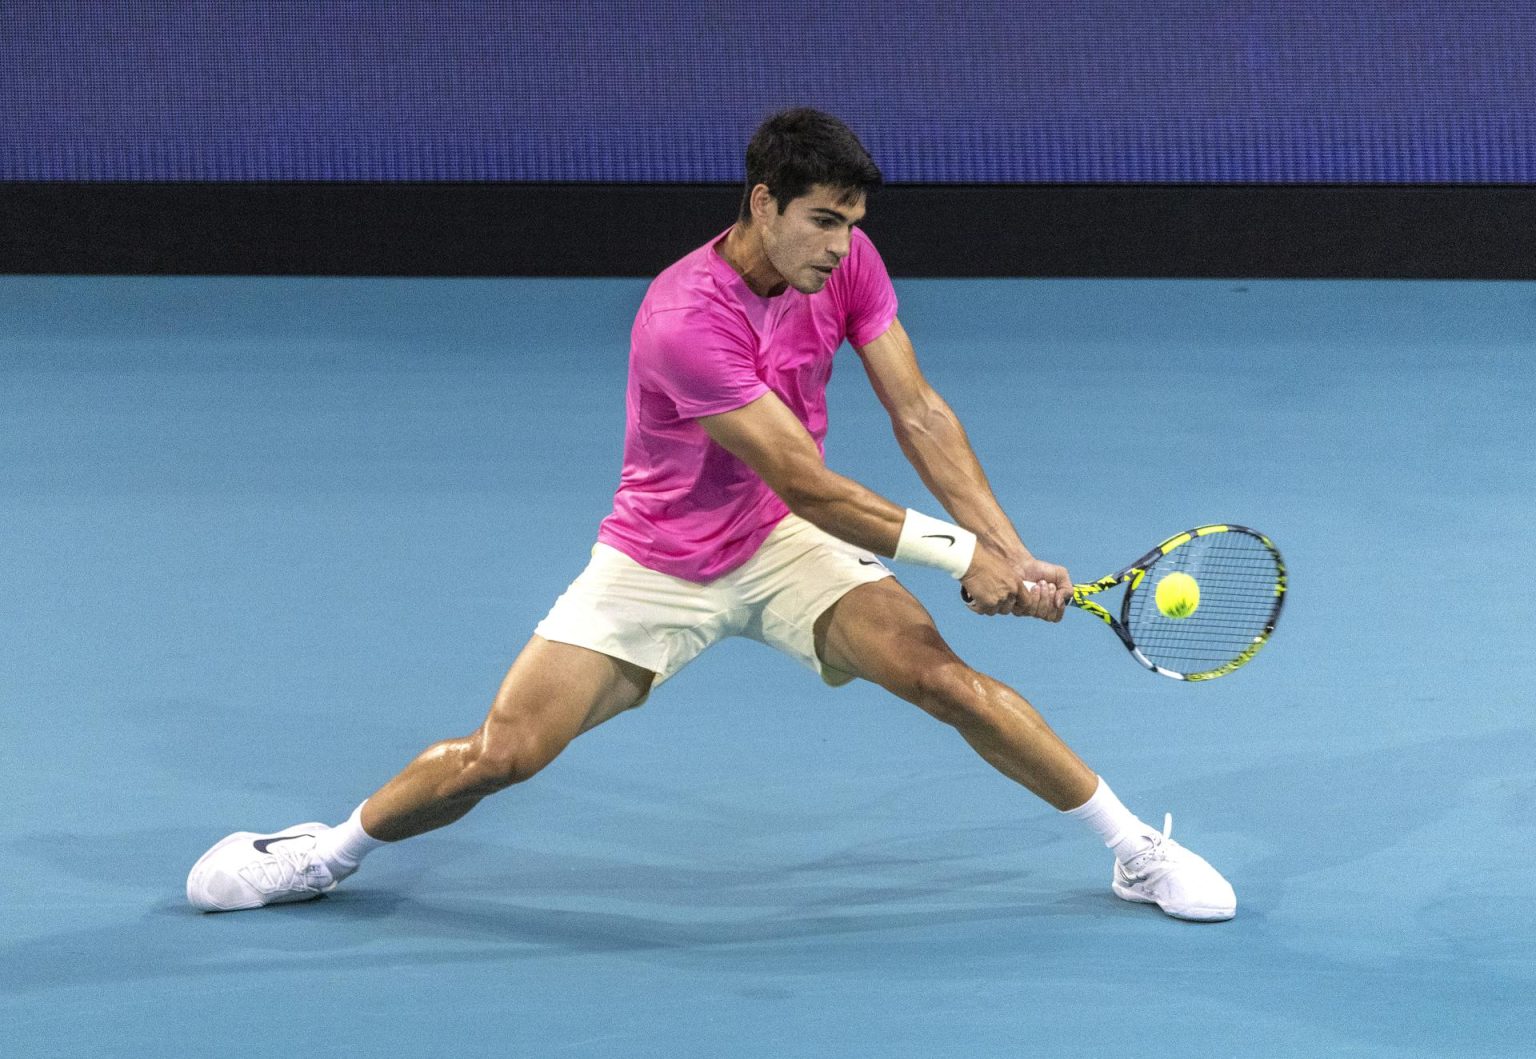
[766, 436]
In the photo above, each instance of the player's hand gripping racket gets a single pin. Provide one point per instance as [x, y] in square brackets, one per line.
[1197, 606]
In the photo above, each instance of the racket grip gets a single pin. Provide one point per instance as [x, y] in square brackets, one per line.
[966, 596]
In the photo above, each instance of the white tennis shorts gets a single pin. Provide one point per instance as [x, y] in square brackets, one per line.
[661, 622]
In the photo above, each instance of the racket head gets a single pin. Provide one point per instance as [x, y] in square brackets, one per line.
[1242, 581]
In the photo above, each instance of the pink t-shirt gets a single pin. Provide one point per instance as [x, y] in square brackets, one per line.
[704, 343]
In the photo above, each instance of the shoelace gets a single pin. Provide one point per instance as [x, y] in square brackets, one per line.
[1157, 851]
[286, 867]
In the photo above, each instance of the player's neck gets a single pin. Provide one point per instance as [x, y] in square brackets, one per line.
[742, 249]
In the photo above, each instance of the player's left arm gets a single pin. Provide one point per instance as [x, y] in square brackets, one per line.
[935, 443]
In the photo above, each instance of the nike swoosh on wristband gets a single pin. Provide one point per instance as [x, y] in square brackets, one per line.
[869, 562]
[939, 537]
[261, 844]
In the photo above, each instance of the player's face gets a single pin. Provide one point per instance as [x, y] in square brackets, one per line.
[807, 242]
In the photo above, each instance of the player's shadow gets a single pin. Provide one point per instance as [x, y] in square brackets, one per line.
[489, 902]
[564, 904]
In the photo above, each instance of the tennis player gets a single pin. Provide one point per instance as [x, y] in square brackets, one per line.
[727, 522]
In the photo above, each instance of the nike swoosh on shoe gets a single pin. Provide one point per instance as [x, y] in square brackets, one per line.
[262, 844]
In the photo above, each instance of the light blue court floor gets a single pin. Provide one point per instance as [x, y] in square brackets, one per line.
[263, 540]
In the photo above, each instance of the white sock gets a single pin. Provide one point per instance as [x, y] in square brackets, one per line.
[1121, 830]
[344, 846]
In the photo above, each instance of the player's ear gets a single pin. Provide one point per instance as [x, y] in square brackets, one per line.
[762, 203]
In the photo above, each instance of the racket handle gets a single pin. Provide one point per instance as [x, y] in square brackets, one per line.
[966, 596]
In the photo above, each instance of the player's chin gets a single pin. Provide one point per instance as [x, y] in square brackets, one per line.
[815, 279]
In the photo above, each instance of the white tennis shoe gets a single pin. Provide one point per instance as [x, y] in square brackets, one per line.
[1179, 882]
[247, 870]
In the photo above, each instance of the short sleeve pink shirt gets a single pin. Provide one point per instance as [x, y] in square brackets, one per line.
[703, 343]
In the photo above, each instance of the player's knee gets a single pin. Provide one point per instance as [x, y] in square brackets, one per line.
[950, 690]
[497, 763]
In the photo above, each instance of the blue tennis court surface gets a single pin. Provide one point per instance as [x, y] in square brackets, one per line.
[263, 540]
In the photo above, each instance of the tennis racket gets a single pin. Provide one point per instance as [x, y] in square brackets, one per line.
[1241, 580]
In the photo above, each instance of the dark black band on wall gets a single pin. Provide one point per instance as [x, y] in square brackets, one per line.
[635, 230]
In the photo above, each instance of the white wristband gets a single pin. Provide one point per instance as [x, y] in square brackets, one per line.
[930, 542]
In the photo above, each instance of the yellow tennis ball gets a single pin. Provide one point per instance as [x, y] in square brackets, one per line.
[1177, 595]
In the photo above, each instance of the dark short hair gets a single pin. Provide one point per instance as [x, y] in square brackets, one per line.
[796, 149]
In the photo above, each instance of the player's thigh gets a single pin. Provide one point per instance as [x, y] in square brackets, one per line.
[880, 632]
[555, 691]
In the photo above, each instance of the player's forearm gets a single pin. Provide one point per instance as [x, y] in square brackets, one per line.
[847, 510]
[937, 447]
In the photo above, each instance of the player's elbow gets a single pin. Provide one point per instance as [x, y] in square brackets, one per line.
[924, 418]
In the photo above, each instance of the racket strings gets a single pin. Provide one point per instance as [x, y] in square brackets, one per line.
[1240, 581]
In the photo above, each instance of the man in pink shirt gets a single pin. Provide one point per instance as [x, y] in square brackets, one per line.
[727, 522]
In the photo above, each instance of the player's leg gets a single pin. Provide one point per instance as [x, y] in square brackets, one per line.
[552, 693]
[881, 633]
[878, 631]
